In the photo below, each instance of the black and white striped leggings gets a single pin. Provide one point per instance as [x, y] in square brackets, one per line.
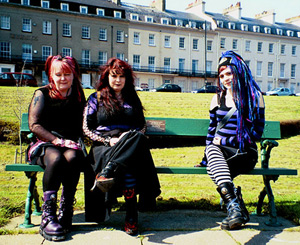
[221, 171]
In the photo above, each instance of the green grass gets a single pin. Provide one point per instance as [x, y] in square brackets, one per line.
[178, 191]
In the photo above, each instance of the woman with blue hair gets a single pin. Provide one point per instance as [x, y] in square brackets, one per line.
[236, 123]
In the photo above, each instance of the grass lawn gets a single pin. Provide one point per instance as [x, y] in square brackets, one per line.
[178, 191]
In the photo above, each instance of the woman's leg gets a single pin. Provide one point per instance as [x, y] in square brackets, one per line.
[53, 162]
[219, 172]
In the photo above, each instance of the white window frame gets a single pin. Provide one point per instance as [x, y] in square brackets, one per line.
[45, 4]
[151, 41]
[102, 57]
[220, 23]
[195, 44]
[294, 50]
[282, 70]
[86, 56]
[47, 27]
[136, 38]
[121, 56]
[247, 45]
[234, 44]
[27, 55]
[134, 16]
[267, 30]
[66, 51]
[5, 22]
[259, 68]
[178, 22]
[195, 66]
[167, 41]
[165, 21]
[5, 50]
[84, 9]
[271, 48]
[222, 42]
[244, 27]
[256, 28]
[67, 30]
[46, 51]
[102, 34]
[26, 27]
[136, 61]
[117, 14]
[181, 43]
[270, 69]
[64, 6]
[148, 19]
[151, 63]
[290, 33]
[231, 25]
[193, 24]
[85, 32]
[279, 32]
[100, 12]
[209, 45]
[25, 2]
[167, 64]
[181, 64]
[120, 36]
[293, 71]
[282, 49]
[259, 47]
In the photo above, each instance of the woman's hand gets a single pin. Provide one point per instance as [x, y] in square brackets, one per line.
[115, 140]
[217, 141]
[66, 143]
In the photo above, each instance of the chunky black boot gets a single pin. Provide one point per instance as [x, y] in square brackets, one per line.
[105, 179]
[65, 213]
[239, 196]
[50, 229]
[131, 219]
[235, 216]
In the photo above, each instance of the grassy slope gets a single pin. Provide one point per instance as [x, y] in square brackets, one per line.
[191, 191]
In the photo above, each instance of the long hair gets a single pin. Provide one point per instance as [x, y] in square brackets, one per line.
[68, 64]
[246, 92]
[107, 94]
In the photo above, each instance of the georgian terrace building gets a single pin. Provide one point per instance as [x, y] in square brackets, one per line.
[163, 46]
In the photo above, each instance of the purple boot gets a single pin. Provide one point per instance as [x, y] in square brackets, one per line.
[65, 213]
[50, 229]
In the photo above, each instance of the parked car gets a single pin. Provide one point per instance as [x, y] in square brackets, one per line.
[17, 79]
[206, 89]
[280, 92]
[167, 87]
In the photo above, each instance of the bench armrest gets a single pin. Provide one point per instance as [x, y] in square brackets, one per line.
[266, 146]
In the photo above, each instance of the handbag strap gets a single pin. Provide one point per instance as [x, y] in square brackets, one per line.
[226, 118]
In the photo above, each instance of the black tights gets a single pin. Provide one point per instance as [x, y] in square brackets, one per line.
[62, 166]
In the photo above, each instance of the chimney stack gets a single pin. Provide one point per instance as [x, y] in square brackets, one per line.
[267, 16]
[159, 4]
[293, 20]
[234, 11]
[196, 7]
[118, 2]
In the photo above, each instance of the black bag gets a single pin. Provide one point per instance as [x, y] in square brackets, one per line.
[230, 152]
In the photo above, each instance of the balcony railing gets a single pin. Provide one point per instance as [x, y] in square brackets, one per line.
[95, 65]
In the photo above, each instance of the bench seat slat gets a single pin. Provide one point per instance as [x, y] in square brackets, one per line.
[169, 170]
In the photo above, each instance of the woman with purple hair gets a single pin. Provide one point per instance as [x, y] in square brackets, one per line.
[55, 118]
[236, 123]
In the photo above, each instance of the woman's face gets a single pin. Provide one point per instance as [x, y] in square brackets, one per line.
[63, 79]
[226, 77]
[116, 81]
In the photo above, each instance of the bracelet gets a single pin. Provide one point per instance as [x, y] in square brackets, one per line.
[107, 140]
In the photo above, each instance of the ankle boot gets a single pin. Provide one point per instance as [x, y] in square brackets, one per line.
[65, 213]
[131, 219]
[235, 216]
[239, 196]
[50, 229]
[105, 179]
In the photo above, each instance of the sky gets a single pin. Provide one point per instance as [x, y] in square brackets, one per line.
[283, 8]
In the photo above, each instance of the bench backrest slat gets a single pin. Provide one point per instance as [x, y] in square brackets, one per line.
[182, 127]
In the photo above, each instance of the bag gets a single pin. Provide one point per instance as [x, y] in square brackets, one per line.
[230, 152]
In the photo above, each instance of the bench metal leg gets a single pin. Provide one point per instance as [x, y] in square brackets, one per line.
[30, 195]
[36, 201]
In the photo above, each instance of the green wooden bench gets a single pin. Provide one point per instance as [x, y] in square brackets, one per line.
[170, 127]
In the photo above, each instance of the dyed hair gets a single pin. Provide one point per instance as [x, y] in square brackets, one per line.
[246, 92]
[68, 64]
[107, 94]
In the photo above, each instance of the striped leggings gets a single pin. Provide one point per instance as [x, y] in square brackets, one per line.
[221, 171]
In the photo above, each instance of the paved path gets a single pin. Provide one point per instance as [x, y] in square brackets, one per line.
[186, 227]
